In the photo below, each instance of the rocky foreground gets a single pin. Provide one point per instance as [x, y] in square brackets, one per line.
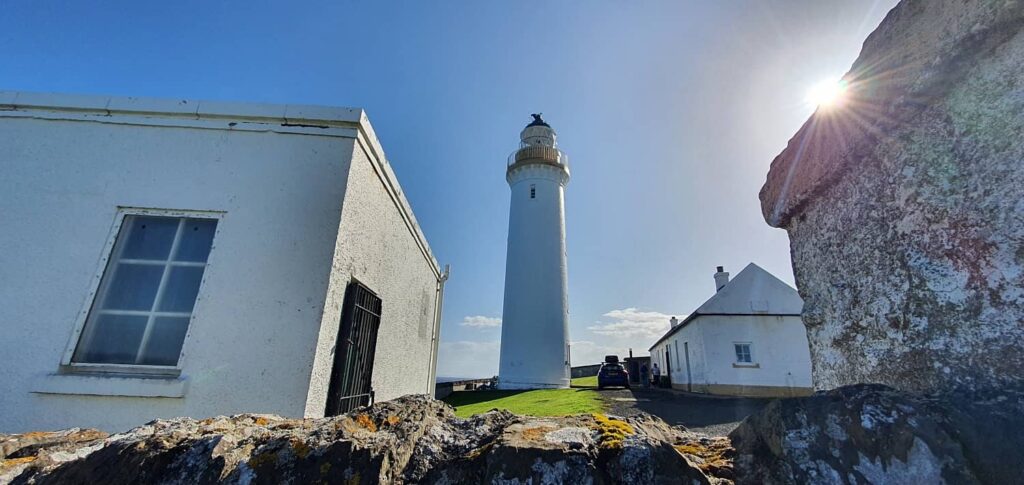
[856, 434]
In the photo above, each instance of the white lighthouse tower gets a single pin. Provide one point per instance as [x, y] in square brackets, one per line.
[535, 320]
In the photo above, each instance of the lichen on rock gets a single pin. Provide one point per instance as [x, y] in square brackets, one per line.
[875, 434]
[611, 432]
[413, 439]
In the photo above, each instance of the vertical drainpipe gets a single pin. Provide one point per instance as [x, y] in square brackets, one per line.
[438, 303]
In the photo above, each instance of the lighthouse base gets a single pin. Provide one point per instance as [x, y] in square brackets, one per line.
[514, 385]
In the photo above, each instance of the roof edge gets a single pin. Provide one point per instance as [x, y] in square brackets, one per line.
[375, 152]
[693, 316]
[300, 114]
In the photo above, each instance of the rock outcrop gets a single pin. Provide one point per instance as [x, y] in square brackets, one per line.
[409, 440]
[874, 434]
[853, 435]
[905, 204]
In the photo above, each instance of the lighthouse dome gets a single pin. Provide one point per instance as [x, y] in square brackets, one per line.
[538, 121]
[537, 133]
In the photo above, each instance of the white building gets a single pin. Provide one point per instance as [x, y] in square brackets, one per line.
[178, 258]
[535, 319]
[746, 340]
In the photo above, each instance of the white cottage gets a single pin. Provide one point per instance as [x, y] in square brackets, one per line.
[167, 258]
[746, 340]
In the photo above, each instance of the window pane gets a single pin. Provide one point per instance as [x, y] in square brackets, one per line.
[165, 341]
[196, 240]
[149, 237]
[181, 290]
[134, 287]
[742, 352]
[114, 339]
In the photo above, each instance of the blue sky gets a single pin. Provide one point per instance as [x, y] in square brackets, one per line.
[671, 112]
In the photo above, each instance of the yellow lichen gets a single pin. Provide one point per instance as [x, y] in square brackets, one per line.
[393, 420]
[689, 449]
[475, 453]
[33, 435]
[301, 448]
[612, 432]
[537, 433]
[713, 456]
[261, 421]
[262, 459]
[13, 462]
[365, 421]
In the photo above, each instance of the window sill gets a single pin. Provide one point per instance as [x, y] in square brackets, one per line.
[746, 366]
[111, 385]
[120, 370]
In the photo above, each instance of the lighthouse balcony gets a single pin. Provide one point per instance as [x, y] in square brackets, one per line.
[538, 154]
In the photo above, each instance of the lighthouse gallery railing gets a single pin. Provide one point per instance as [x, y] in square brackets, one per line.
[549, 155]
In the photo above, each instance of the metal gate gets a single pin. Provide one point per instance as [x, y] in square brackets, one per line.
[353, 355]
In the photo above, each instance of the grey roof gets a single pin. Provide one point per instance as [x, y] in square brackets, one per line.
[753, 291]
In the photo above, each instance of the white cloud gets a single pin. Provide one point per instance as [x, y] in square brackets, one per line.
[480, 321]
[585, 352]
[468, 359]
[618, 333]
[630, 322]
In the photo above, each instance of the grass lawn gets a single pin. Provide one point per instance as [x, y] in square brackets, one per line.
[585, 382]
[541, 402]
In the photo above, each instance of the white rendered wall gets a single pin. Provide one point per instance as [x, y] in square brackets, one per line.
[698, 369]
[260, 303]
[534, 329]
[778, 346]
[253, 342]
[376, 248]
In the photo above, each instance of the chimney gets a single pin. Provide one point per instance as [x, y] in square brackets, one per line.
[673, 321]
[721, 278]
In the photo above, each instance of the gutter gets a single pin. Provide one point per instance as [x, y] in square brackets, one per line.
[436, 338]
[693, 316]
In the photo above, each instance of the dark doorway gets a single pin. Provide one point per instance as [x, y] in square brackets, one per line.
[353, 353]
[668, 368]
[689, 377]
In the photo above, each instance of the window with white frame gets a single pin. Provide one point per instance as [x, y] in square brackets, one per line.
[144, 302]
[743, 355]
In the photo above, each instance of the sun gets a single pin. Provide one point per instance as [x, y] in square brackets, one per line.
[827, 94]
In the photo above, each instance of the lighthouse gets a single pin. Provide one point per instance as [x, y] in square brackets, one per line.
[535, 319]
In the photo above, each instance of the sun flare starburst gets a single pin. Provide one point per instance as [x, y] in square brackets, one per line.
[827, 94]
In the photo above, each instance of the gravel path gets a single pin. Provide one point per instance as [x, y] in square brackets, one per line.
[714, 416]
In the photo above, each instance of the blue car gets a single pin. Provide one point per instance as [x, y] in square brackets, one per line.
[612, 374]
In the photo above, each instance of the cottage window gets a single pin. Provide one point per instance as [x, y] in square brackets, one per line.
[743, 353]
[144, 302]
[533, 191]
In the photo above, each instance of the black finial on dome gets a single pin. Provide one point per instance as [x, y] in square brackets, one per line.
[537, 121]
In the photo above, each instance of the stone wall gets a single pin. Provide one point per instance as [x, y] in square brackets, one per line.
[585, 370]
[905, 204]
